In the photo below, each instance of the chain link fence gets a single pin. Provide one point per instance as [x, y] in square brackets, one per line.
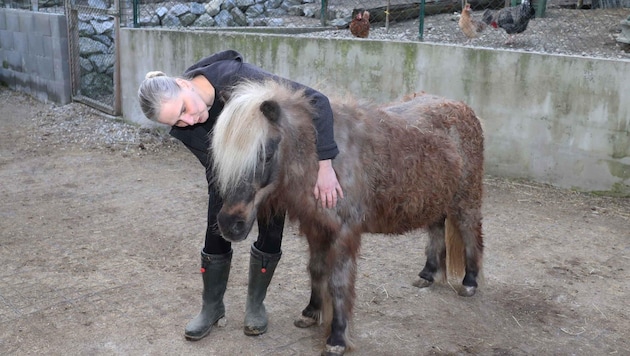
[291, 13]
[93, 25]
[273, 13]
[573, 27]
[93, 44]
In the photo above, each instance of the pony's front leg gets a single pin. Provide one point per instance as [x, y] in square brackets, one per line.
[342, 291]
[317, 268]
[435, 267]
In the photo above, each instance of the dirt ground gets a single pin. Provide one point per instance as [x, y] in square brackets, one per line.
[99, 245]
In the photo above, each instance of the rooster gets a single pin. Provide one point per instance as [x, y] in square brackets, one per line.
[512, 19]
[360, 24]
[470, 27]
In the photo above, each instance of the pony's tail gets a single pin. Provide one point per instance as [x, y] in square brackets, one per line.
[455, 251]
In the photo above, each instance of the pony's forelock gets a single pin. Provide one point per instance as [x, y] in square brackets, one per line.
[240, 134]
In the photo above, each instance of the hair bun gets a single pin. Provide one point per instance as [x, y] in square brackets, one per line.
[154, 74]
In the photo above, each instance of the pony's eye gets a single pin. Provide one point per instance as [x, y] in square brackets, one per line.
[270, 150]
[268, 157]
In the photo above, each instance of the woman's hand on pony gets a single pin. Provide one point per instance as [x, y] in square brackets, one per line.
[327, 188]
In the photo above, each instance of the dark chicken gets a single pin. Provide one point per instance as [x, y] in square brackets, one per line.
[360, 24]
[512, 19]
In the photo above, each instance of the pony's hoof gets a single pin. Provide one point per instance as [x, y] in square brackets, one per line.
[334, 350]
[422, 283]
[304, 322]
[467, 291]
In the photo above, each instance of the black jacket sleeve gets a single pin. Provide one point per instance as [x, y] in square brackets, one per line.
[323, 121]
[224, 70]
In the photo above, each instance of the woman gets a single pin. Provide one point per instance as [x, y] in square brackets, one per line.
[191, 105]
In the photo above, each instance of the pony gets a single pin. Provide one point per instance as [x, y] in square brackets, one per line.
[417, 163]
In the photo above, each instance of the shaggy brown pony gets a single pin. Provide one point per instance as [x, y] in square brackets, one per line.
[413, 164]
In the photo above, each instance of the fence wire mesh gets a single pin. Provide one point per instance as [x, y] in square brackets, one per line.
[286, 13]
[93, 26]
[574, 27]
[597, 28]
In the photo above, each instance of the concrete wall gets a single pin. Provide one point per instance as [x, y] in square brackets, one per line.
[555, 119]
[34, 54]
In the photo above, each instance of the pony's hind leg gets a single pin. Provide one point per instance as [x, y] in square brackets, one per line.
[435, 267]
[469, 226]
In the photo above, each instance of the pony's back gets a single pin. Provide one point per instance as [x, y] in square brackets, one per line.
[412, 156]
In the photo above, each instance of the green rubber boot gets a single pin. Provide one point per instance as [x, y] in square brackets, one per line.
[215, 271]
[261, 268]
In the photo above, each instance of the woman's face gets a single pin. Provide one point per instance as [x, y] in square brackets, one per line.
[186, 109]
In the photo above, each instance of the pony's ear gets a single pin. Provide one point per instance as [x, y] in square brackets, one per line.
[271, 110]
[224, 95]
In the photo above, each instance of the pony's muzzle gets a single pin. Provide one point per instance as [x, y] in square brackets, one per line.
[233, 227]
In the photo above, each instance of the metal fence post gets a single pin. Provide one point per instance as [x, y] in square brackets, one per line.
[421, 22]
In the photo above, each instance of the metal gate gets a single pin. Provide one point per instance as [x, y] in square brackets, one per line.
[93, 27]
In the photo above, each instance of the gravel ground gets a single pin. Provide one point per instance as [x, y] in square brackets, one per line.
[89, 129]
[584, 32]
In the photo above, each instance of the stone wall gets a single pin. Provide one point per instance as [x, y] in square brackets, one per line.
[237, 13]
[97, 56]
[96, 37]
[96, 43]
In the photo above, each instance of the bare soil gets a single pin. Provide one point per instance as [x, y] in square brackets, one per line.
[101, 225]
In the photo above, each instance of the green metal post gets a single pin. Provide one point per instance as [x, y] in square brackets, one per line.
[135, 13]
[421, 22]
[324, 13]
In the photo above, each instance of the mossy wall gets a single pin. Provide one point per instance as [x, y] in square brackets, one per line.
[555, 119]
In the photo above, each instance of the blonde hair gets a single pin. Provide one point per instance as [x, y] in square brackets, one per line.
[155, 89]
[240, 133]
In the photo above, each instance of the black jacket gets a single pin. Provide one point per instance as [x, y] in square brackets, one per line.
[224, 70]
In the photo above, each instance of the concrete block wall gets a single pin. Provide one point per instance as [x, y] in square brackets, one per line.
[562, 120]
[34, 54]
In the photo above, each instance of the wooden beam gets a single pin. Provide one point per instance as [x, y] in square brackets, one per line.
[404, 12]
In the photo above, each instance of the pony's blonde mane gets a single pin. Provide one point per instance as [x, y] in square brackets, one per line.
[240, 133]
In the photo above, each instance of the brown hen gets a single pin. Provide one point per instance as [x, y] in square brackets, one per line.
[470, 27]
[360, 24]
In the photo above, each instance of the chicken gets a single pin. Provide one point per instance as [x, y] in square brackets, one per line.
[470, 27]
[512, 19]
[360, 24]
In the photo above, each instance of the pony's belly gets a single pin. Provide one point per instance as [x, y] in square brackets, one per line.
[398, 225]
